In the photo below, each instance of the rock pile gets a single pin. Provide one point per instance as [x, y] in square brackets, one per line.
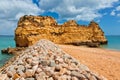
[46, 61]
[31, 29]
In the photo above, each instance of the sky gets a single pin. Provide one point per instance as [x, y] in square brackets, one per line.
[105, 12]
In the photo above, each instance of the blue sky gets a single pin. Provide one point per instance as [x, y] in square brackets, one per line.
[105, 12]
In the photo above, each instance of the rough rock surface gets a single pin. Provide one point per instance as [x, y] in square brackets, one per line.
[14, 51]
[46, 61]
[31, 29]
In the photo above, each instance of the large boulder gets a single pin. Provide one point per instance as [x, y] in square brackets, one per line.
[30, 29]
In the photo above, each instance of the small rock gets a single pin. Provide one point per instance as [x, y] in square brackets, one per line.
[83, 67]
[64, 77]
[34, 63]
[34, 68]
[20, 62]
[92, 78]
[29, 60]
[21, 73]
[38, 70]
[77, 74]
[57, 68]
[3, 76]
[21, 78]
[55, 77]
[41, 76]
[29, 73]
[52, 63]
[9, 74]
[63, 71]
[74, 78]
[44, 63]
[28, 66]
[20, 68]
[50, 78]
[68, 72]
[15, 76]
[29, 79]
[35, 54]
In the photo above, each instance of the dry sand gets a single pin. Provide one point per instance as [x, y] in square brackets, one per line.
[101, 61]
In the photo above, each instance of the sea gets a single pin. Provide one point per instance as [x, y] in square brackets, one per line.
[8, 41]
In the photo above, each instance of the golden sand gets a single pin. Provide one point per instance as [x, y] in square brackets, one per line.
[102, 61]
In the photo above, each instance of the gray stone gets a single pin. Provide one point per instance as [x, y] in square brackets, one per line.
[44, 63]
[52, 63]
[21, 68]
[77, 74]
[20, 62]
[34, 63]
[41, 76]
[83, 67]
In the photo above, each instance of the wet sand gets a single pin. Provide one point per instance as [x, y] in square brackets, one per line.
[102, 61]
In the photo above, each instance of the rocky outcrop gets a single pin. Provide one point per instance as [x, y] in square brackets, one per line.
[46, 61]
[30, 29]
[14, 51]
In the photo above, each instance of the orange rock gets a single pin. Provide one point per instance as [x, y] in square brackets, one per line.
[16, 76]
[31, 29]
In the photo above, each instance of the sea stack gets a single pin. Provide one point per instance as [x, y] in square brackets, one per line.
[31, 29]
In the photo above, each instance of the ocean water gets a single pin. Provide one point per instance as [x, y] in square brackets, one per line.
[5, 42]
[8, 41]
[113, 43]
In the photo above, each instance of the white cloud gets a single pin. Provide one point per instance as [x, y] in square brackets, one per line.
[116, 11]
[118, 15]
[118, 8]
[7, 27]
[76, 9]
[12, 10]
[113, 13]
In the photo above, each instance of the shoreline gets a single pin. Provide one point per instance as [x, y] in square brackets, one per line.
[45, 60]
[83, 53]
[10, 61]
[103, 61]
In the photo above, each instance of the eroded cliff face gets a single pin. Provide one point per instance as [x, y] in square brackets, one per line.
[30, 29]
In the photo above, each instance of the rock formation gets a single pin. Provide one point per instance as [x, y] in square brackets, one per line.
[46, 61]
[30, 29]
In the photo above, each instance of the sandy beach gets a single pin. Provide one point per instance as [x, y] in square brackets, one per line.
[102, 61]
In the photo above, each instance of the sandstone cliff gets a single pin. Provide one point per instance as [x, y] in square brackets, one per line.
[30, 29]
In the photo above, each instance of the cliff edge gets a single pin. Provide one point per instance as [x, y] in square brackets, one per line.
[31, 29]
